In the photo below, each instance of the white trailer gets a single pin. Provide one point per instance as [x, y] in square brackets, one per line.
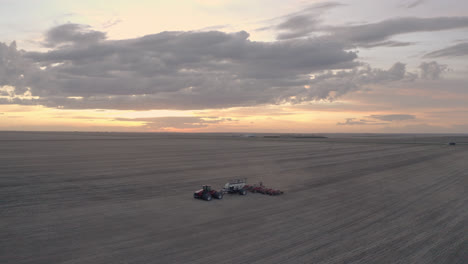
[236, 186]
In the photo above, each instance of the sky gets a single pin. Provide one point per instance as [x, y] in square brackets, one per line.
[267, 66]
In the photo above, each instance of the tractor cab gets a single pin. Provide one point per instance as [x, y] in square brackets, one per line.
[207, 188]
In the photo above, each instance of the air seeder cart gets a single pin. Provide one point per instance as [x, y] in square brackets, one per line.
[235, 186]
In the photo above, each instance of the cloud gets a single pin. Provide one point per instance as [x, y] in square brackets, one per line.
[216, 27]
[394, 117]
[307, 22]
[388, 43]
[381, 31]
[172, 70]
[303, 22]
[84, 117]
[413, 3]
[355, 121]
[333, 84]
[376, 119]
[249, 111]
[184, 70]
[460, 49]
[72, 34]
[177, 122]
[16, 71]
[297, 26]
[111, 23]
[432, 70]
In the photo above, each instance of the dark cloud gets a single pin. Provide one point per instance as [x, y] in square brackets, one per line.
[302, 23]
[355, 121]
[185, 70]
[15, 70]
[388, 43]
[432, 70]
[352, 121]
[333, 84]
[307, 22]
[381, 31]
[457, 50]
[178, 122]
[377, 119]
[72, 34]
[174, 70]
[394, 117]
[413, 3]
[297, 26]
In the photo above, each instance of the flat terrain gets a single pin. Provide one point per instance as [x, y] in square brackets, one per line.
[127, 198]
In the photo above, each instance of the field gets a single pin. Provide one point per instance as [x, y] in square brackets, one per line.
[128, 198]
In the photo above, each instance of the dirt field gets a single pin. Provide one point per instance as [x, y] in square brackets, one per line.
[128, 198]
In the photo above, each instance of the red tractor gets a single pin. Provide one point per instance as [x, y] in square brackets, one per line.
[207, 194]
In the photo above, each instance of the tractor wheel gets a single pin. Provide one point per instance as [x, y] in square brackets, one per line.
[242, 192]
[207, 197]
[219, 195]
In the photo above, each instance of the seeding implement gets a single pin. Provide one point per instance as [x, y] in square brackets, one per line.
[260, 188]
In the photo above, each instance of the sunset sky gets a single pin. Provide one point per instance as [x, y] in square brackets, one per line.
[274, 66]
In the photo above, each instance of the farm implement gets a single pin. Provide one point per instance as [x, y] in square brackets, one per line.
[260, 188]
[237, 186]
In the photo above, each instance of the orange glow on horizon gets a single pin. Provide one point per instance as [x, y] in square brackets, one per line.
[262, 119]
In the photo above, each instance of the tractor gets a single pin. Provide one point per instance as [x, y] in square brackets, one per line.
[207, 194]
